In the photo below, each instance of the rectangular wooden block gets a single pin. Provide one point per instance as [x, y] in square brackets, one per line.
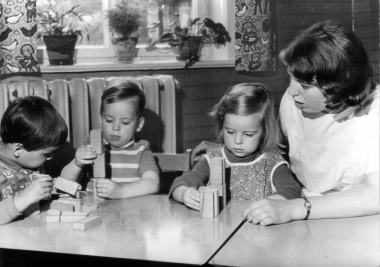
[87, 223]
[99, 168]
[72, 216]
[51, 219]
[96, 140]
[209, 202]
[77, 203]
[67, 186]
[53, 212]
[88, 207]
[62, 206]
[217, 172]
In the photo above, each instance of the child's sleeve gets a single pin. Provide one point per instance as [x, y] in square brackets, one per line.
[147, 162]
[196, 178]
[285, 184]
[8, 211]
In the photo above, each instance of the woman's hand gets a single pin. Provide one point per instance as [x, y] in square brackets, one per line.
[85, 155]
[202, 148]
[274, 211]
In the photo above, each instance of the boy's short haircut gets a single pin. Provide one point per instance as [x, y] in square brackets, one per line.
[122, 89]
[33, 122]
[332, 57]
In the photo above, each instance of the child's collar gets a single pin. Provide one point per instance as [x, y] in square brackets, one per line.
[131, 143]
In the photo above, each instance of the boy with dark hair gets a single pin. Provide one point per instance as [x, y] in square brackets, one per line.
[31, 129]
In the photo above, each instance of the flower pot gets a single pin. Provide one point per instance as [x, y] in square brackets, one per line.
[125, 48]
[190, 48]
[60, 48]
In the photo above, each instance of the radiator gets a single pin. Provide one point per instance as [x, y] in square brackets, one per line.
[78, 101]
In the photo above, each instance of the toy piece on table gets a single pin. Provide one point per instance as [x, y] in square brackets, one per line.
[89, 207]
[67, 186]
[87, 223]
[209, 202]
[68, 216]
[99, 167]
[218, 179]
[53, 215]
[77, 203]
[62, 206]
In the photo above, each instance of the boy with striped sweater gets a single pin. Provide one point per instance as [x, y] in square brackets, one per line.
[131, 169]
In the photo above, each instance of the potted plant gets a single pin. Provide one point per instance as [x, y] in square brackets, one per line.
[186, 42]
[60, 27]
[124, 21]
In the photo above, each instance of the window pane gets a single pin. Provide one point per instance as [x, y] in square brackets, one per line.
[154, 11]
[92, 20]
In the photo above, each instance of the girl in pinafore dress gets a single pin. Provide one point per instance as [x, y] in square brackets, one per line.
[247, 128]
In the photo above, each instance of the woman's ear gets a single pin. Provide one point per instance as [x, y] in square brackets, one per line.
[141, 124]
[18, 149]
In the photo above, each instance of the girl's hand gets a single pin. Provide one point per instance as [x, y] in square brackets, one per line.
[106, 188]
[273, 211]
[190, 197]
[38, 190]
[85, 155]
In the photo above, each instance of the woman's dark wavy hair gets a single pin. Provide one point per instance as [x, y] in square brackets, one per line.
[247, 99]
[121, 89]
[332, 57]
[33, 122]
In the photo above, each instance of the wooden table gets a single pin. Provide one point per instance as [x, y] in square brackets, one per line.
[145, 228]
[348, 242]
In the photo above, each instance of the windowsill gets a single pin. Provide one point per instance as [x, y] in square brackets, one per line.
[136, 65]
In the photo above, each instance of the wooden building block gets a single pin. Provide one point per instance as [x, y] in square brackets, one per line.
[217, 172]
[87, 223]
[209, 202]
[77, 203]
[51, 219]
[53, 212]
[62, 206]
[88, 207]
[66, 186]
[72, 216]
[99, 167]
[218, 179]
[96, 140]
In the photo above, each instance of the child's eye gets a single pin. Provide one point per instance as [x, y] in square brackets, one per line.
[249, 135]
[125, 123]
[108, 120]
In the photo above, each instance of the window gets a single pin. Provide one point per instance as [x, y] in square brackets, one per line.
[99, 48]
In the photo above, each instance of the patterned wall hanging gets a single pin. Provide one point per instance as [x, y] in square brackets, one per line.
[18, 39]
[256, 39]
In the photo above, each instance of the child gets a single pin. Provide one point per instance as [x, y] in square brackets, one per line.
[247, 127]
[133, 169]
[31, 129]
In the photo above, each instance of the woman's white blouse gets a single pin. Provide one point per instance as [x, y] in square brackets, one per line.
[332, 152]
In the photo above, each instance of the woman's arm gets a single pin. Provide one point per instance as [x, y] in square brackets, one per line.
[358, 201]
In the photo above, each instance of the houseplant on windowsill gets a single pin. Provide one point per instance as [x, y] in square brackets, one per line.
[60, 27]
[124, 22]
[186, 42]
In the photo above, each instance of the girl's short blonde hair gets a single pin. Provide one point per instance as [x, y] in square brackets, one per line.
[247, 99]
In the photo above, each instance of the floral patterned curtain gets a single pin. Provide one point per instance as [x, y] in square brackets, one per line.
[256, 39]
[18, 39]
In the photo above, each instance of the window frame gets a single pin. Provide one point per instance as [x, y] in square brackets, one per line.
[215, 9]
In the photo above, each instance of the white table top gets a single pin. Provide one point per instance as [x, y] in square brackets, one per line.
[143, 228]
[344, 242]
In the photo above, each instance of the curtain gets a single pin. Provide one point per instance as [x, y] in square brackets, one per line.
[256, 38]
[18, 39]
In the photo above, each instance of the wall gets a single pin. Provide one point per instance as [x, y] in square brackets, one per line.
[202, 88]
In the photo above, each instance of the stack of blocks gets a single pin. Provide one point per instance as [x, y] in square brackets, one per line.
[72, 209]
[214, 196]
[96, 141]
